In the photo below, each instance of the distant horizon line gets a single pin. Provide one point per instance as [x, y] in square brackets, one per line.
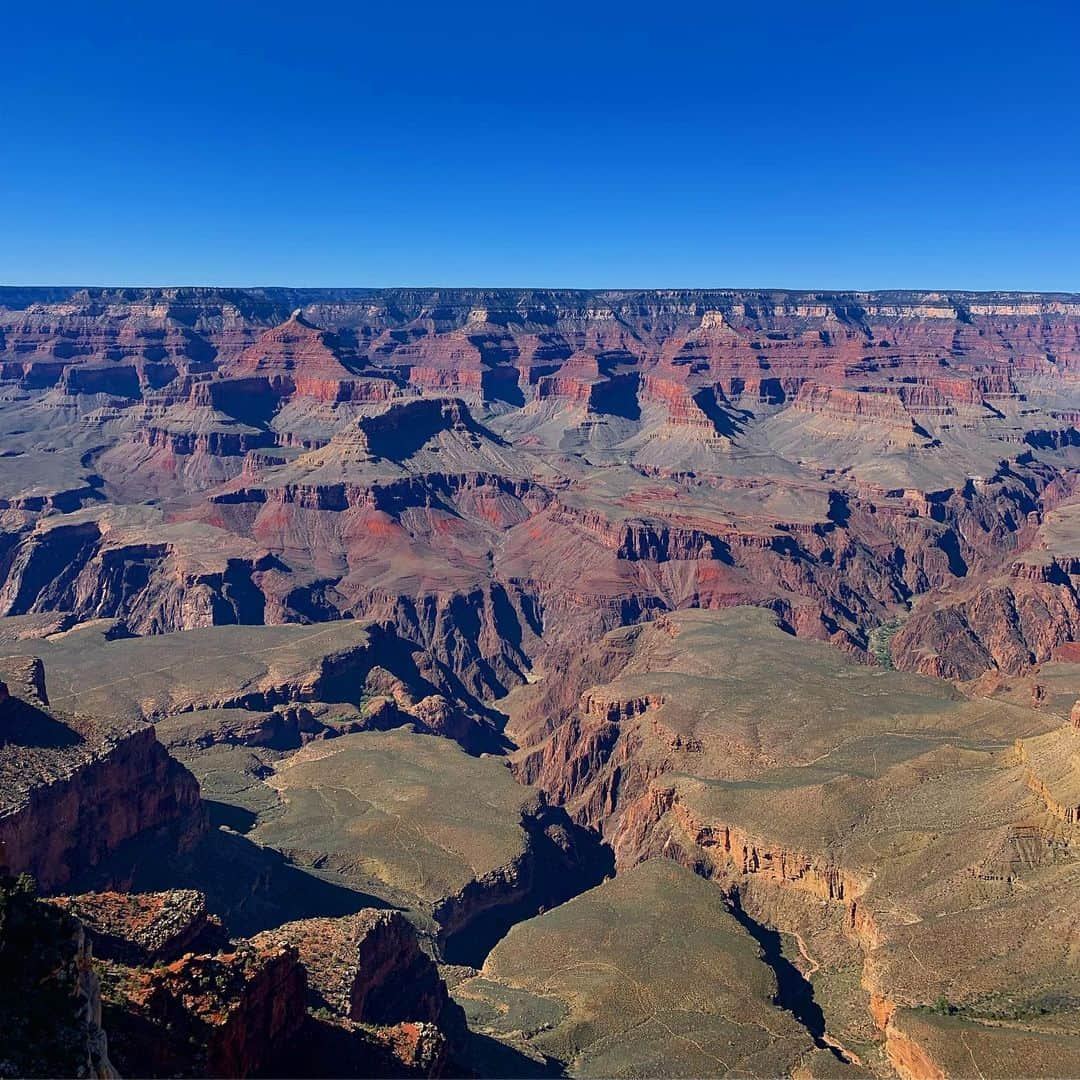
[279, 288]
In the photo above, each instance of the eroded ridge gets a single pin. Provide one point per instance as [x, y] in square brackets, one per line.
[524, 682]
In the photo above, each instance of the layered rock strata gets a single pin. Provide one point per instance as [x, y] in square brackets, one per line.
[75, 790]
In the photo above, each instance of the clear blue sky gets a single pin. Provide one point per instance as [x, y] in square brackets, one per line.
[793, 144]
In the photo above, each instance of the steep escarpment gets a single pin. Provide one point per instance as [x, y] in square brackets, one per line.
[76, 790]
[559, 860]
[367, 967]
[567, 462]
[698, 566]
[844, 807]
[155, 578]
[1011, 620]
[226, 1014]
[148, 985]
[1009, 623]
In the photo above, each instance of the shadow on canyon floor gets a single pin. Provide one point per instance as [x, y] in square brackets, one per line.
[28, 726]
[555, 881]
[489, 1057]
[795, 992]
[251, 887]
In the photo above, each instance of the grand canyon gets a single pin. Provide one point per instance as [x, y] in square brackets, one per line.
[495, 682]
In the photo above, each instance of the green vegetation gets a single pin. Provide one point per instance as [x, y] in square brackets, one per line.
[385, 811]
[879, 642]
[1018, 1007]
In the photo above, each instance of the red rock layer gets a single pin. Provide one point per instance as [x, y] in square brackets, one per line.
[228, 1014]
[73, 805]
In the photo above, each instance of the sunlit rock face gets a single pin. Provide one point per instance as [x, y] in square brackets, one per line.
[564, 461]
[397, 679]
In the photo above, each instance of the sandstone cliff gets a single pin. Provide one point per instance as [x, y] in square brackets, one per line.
[75, 790]
[227, 1014]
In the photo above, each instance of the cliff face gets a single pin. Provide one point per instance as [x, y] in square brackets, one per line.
[152, 332]
[142, 929]
[50, 996]
[332, 996]
[75, 790]
[379, 1006]
[559, 860]
[155, 586]
[366, 967]
[668, 523]
[226, 1014]
[1009, 621]
[1009, 625]
[824, 808]
[564, 462]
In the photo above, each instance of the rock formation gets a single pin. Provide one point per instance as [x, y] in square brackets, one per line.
[226, 1014]
[367, 967]
[711, 741]
[380, 624]
[177, 998]
[50, 996]
[144, 929]
[491, 439]
[75, 790]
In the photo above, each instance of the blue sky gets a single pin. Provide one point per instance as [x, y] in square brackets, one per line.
[794, 145]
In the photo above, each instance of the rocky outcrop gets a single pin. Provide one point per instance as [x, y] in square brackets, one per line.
[755, 855]
[142, 929]
[349, 996]
[227, 1014]
[906, 1054]
[560, 860]
[75, 791]
[1051, 764]
[378, 1006]
[296, 357]
[332, 1046]
[884, 408]
[155, 586]
[698, 410]
[50, 996]
[25, 677]
[642, 540]
[394, 432]
[1006, 623]
[207, 444]
[284, 727]
[476, 635]
[367, 967]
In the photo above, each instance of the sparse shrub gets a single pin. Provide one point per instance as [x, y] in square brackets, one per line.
[879, 642]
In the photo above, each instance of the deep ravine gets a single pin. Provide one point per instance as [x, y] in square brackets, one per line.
[795, 992]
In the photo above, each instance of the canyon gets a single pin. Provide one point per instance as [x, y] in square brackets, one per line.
[500, 682]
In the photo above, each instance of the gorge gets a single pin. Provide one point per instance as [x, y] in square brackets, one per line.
[493, 682]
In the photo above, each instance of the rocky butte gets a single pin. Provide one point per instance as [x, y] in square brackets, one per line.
[535, 682]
